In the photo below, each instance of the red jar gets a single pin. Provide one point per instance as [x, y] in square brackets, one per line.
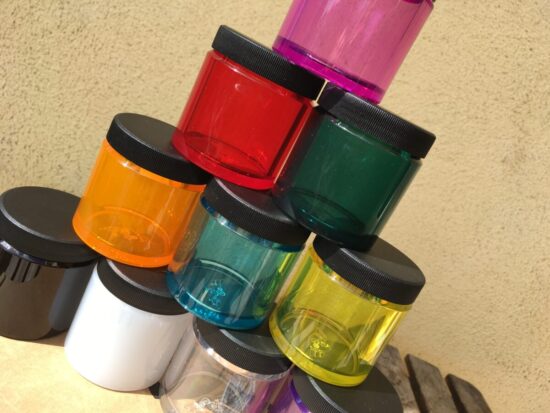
[245, 112]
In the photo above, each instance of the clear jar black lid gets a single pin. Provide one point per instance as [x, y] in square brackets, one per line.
[142, 288]
[255, 212]
[37, 222]
[376, 121]
[374, 395]
[382, 270]
[265, 62]
[251, 350]
[147, 142]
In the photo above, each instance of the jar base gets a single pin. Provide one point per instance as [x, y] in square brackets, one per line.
[320, 338]
[220, 290]
[118, 233]
[242, 169]
[314, 64]
[326, 218]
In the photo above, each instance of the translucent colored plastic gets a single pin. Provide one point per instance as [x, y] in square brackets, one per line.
[226, 275]
[356, 44]
[132, 215]
[329, 328]
[199, 380]
[288, 401]
[239, 126]
[343, 184]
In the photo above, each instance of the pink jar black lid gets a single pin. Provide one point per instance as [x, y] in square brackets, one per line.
[265, 62]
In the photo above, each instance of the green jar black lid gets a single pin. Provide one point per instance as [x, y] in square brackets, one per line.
[376, 121]
[382, 270]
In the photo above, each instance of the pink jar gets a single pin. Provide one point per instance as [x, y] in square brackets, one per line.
[356, 44]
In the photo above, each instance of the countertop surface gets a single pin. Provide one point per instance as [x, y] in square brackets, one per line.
[36, 377]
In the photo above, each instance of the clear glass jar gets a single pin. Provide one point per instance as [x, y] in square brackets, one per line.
[126, 329]
[356, 44]
[223, 371]
[231, 266]
[245, 112]
[305, 394]
[350, 168]
[140, 194]
[342, 307]
[44, 267]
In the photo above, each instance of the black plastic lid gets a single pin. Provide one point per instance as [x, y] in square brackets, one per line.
[142, 288]
[251, 350]
[374, 395]
[255, 212]
[265, 62]
[382, 271]
[377, 122]
[37, 222]
[147, 143]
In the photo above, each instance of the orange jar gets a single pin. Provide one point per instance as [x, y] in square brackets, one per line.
[140, 195]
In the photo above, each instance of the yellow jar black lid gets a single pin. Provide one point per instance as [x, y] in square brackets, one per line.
[147, 142]
[382, 270]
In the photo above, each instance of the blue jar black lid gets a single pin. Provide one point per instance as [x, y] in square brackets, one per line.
[376, 394]
[255, 212]
[147, 142]
[37, 222]
[142, 288]
[265, 62]
[382, 270]
[376, 121]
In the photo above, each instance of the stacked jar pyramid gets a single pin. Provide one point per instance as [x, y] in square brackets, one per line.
[187, 260]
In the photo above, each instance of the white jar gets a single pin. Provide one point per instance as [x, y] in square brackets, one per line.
[126, 329]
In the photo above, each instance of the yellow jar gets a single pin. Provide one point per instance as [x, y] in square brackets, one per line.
[342, 307]
[140, 195]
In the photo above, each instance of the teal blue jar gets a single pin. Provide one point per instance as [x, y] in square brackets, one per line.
[234, 259]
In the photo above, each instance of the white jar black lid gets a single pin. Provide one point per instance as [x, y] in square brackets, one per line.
[251, 350]
[142, 288]
[376, 121]
[37, 222]
[374, 395]
[255, 212]
[147, 142]
[382, 270]
[267, 63]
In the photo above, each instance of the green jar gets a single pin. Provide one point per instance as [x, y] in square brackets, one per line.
[351, 166]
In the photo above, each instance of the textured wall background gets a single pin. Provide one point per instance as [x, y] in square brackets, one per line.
[477, 218]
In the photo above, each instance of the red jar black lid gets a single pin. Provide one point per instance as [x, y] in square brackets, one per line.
[37, 221]
[382, 270]
[147, 142]
[376, 121]
[255, 212]
[265, 62]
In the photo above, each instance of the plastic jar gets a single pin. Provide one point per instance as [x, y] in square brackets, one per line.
[44, 267]
[140, 194]
[304, 394]
[245, 111]
[126, 329]
[216, 370]
[356, 44]
[342, 307]
[350, 168]
[233, 263]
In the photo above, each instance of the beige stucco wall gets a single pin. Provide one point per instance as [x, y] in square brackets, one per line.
[477, 218]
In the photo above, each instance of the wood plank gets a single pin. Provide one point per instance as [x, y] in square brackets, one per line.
[432, 394]
[467, 397]
[393, 367]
